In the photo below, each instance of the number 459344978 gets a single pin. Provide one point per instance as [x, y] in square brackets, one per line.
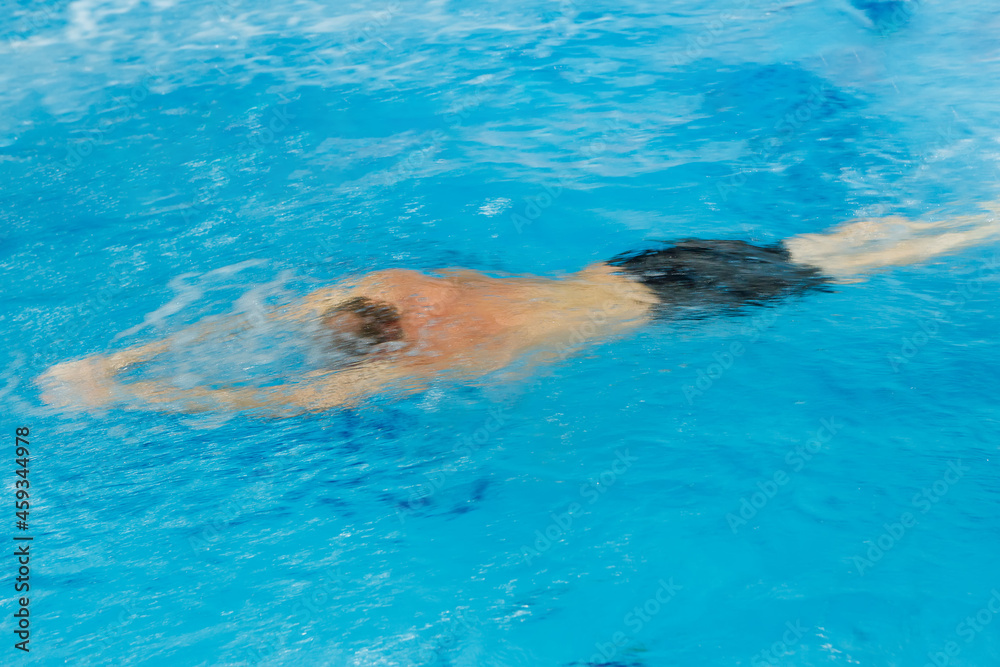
[21, 451]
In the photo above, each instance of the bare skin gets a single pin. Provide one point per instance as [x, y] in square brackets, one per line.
[458, 324]
[857, 248]
[462, 324]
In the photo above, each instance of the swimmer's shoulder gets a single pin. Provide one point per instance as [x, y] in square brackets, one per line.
[372, 285]
[387, 279]
[392, 285]
[316, 302]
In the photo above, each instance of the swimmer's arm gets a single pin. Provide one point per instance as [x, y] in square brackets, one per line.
[338, 389]
[197, 399]
[89, 381]
[117, 361]
[93, 376]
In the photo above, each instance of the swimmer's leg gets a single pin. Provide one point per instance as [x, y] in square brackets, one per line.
[857, 248]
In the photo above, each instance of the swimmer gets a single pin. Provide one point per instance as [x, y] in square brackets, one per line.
[399, 330]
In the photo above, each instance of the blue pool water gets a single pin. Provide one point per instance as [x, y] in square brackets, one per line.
[827, 497]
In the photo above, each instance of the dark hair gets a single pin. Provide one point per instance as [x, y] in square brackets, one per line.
[368, 323]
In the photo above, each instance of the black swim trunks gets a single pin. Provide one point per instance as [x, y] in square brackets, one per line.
[696, 276]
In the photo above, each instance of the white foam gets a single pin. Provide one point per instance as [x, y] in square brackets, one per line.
[188, 288]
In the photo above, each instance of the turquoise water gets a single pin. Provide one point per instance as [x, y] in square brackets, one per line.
[828, 496]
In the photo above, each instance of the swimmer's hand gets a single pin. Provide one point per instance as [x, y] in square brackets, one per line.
[89, 382]
[85, 383]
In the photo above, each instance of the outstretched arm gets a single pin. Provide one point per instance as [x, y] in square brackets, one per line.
[96, 386]
[332, 389]
[89, 381]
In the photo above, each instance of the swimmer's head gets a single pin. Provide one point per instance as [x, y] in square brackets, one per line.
[356, 326]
